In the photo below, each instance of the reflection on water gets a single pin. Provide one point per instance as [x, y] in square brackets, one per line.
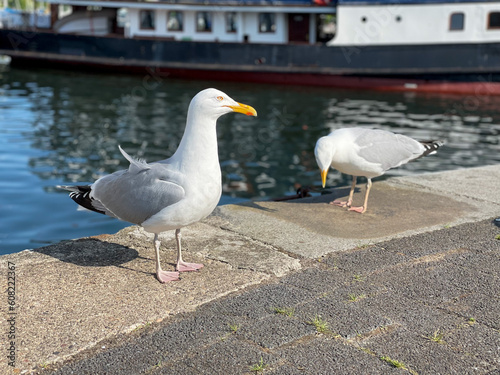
[60, 128]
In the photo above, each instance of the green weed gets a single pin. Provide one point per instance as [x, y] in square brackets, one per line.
[320, 324]
[288, 311]
[393, 362]
[353, 297]
[436, 337]
[259, 366]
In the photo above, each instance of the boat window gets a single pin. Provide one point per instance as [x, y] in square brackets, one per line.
[147, 19]
[267, 22]
[121, 17]
[326, 27]
[457, 21]
[204, 21]
[174, 21]
[494, 20]
[231, 23]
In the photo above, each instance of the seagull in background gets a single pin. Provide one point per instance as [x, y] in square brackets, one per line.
[171, 193]
[369, 153]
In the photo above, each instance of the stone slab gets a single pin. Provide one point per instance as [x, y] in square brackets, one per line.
[311, 227]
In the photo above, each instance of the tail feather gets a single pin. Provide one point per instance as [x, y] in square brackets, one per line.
[431, 147]
[81, 195]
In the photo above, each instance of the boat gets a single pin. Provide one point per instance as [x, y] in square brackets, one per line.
[405, 45]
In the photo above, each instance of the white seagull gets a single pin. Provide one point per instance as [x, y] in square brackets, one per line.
[171, 193]
[369, 153]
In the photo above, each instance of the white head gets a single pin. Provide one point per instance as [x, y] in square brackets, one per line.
[214, 103]
[324, 154]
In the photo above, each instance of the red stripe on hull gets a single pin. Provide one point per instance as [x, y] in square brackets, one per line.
[346, 82]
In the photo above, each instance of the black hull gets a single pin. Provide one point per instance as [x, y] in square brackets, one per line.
[460, 68]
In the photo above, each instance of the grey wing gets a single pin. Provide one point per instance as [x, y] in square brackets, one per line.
[136, 196]
[388, 149]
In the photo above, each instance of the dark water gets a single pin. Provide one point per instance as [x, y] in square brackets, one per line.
[65, 127]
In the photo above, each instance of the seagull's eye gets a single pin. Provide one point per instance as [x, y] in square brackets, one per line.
[220, 98]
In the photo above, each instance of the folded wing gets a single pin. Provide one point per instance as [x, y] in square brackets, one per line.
[388, 149]
[135, 196]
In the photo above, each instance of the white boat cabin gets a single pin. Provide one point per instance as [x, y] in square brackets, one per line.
[209, 21]
[416, 22]
[336, 23]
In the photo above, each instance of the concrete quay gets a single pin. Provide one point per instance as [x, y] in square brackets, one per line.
[297, 287]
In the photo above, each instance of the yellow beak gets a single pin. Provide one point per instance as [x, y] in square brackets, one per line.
[243, 108]
[324, 172]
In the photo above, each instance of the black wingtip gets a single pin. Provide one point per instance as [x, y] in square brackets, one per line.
[431, 147]
[81, 195]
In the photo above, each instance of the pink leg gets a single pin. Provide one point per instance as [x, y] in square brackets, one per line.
[163, 276]
[181, 265]
[349, 200]
[363, 208]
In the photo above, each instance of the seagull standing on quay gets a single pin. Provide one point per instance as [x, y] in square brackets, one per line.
[171, 193]
[369, 153]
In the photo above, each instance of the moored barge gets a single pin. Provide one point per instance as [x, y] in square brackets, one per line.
[428, 45]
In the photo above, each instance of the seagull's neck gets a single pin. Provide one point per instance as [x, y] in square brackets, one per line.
[198, 148]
